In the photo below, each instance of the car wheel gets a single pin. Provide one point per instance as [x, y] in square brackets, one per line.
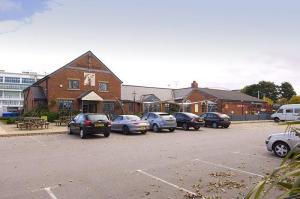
[155, 128]
[171, 129]
[185, 126]
[82, 134]
[281, 149]
[70, 131]
[106, 134]
[143, 132]
[276, 119]
[214, 125]
[125, 130]
[197, 128]
[225, 126]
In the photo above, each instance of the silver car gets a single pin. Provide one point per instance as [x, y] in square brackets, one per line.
[159, 121]
[129, 123]
[282, 143]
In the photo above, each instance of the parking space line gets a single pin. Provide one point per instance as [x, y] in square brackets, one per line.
[37, 140]
[166, 182]
[50, 193]
[227, 167]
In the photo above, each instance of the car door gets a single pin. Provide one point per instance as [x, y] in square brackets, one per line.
[289, 114]
[295, 141]
[178, 117]
[116, 124]
[79, 122]
[72, 123]
[150, 118]
[209, 118]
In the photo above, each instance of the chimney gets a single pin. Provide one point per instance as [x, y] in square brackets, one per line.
[194, 84]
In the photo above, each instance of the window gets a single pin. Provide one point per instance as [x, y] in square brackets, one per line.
[289, 110]
[12, 79]
[73, 84]
[28, 80]
[1, 79]
[65, 104]
[280, 111]
[297, 110]
[12, 94]
[108, 107]
[103, 86]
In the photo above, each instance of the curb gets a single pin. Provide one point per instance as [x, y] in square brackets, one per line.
[32, 134]
[250, 122]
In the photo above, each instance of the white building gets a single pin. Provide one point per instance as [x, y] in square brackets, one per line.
[11, 87]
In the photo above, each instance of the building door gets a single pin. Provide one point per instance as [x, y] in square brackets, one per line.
[89, 107]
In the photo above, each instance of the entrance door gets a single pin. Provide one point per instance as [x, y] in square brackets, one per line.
[89, 107]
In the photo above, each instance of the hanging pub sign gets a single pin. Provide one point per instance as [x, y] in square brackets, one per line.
[89, 79]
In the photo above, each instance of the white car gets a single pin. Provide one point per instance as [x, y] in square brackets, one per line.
[288, 112]
[282, 143]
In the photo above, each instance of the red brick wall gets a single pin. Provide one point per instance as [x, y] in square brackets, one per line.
[58, 83]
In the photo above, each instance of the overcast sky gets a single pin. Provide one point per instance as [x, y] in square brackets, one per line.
[220, 44]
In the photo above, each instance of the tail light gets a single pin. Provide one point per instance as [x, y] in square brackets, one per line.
[87, 123]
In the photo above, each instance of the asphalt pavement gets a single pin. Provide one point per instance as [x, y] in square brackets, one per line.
[222, 163]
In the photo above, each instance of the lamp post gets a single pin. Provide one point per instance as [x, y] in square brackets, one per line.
[134, 94]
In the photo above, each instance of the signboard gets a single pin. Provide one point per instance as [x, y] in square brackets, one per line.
[89, 79]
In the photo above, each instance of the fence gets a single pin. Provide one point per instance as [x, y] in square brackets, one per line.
[250, 117]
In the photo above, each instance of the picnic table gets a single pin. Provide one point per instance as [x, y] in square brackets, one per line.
[32, 122]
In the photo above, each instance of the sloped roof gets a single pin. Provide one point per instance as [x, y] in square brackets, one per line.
[230, 95]
[164, 94]
[181, 93]
[90, 96]
[81, 56]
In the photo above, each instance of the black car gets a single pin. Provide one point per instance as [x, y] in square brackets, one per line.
[90, 123]
[187, 120]
[215, 119]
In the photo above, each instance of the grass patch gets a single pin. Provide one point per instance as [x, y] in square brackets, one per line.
[289, 123]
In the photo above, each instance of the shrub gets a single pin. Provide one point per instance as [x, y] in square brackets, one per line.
[51, 116]
[10, 120]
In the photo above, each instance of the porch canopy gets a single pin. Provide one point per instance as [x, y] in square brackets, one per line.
[90, 96]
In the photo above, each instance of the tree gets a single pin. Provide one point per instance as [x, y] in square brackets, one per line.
[268, 101]
[282, 101]
[287, 91]
[263, 89]
[295, 100]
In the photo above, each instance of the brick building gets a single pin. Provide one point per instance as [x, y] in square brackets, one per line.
[138, 99]
[84, 84]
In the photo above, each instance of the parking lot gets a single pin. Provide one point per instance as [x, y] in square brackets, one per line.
[219, 163]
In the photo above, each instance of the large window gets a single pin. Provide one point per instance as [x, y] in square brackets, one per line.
[12, 94]
[73, 84]
[1, 79]
[12, 80]
[28, 80]
[108, 107]
[13, 86]
[103, 86]
[65, 104]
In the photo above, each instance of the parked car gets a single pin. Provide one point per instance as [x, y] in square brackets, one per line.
[282, 143]
[287, 112]
[130, 123]
[215, 119]
[90, 123]
[160, 120]
[187, 120]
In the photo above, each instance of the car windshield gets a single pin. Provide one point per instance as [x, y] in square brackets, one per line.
[132, 118]
[223, 115]
[94, 118]
[165, 116]
[191, 115]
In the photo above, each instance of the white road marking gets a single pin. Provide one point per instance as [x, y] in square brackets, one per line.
[37, 140]
[230, 168]
[166, 182]
[249, 154]
[50, 193]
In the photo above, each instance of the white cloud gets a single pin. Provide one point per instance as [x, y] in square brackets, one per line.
[9, 5]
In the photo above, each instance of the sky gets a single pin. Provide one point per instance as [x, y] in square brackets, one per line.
[165, 43]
